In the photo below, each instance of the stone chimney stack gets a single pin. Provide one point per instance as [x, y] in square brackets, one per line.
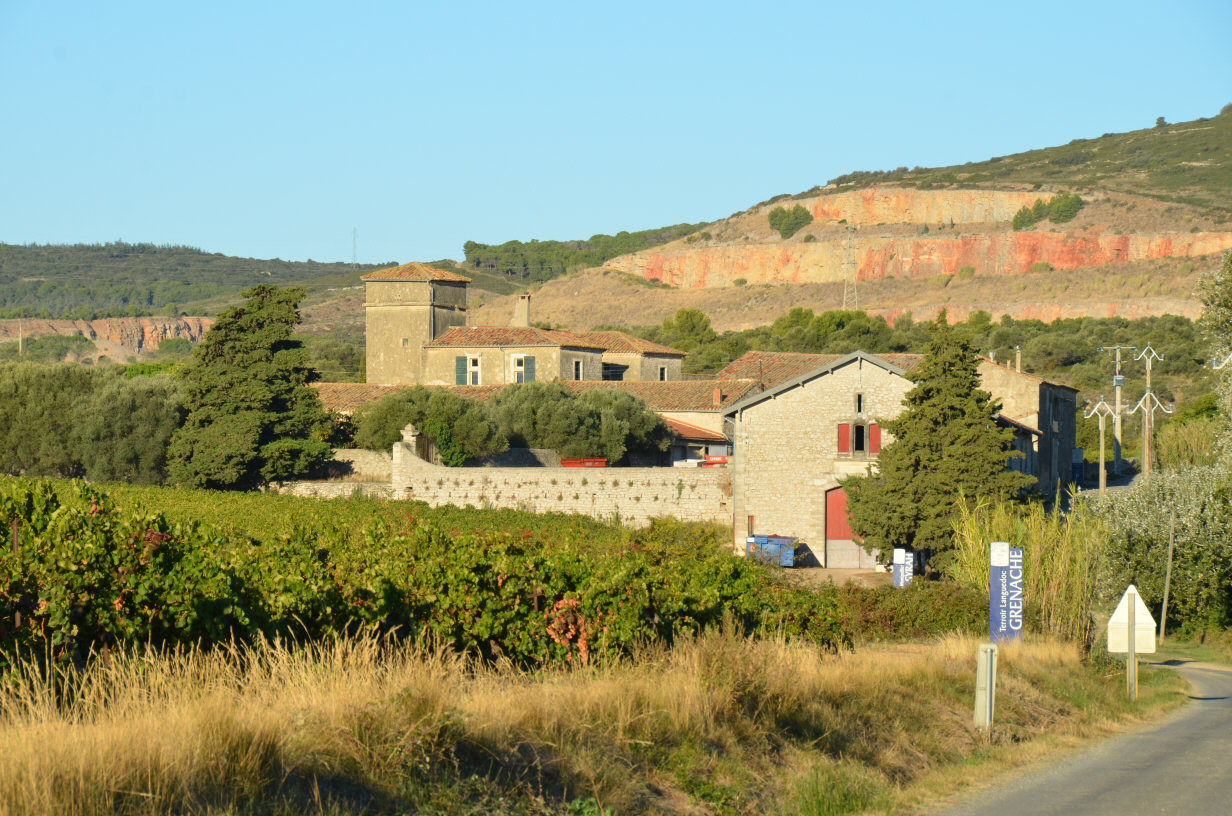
[521, 312]
[718, 398]
[1018, 359]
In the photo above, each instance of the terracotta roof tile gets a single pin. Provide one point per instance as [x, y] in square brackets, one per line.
[618, 342]
[672, 395]
[414, 271]
[344, 398]
[675, 395]
[483, 336]
[774, 367]
[684, 430]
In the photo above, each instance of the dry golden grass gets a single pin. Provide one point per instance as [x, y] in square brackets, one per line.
[365, 725]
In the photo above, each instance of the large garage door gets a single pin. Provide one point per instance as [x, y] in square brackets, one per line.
[841, 551]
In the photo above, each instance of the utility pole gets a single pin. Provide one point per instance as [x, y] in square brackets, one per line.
[1147, 406]
[849, 278]
[1101, 409]
[1118, 382]
[1148, 418]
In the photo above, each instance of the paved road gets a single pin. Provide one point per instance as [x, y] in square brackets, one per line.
[1181, 766]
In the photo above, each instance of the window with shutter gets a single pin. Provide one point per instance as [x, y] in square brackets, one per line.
[459, 368]
[874, 439]
[844, 437]
[530, 369]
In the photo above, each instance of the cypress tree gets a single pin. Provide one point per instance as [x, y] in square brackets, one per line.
[946, 445]
[252, 419]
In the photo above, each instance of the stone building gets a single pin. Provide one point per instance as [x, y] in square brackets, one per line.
[405, 308]
[496, 355]
[1043, 413]
[796, 437]
[416, 333]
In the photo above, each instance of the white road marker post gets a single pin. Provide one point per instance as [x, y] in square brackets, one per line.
[985, 685]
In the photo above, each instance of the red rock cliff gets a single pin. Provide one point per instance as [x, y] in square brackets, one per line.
[1001, 253]
[135, 334]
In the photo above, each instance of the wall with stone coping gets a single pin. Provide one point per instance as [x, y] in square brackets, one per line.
[334, 490]
[633, 495]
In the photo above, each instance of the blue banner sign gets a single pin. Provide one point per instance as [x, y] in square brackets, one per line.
[903, 569]
[1004, 592]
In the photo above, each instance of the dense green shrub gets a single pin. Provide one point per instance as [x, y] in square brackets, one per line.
[52, 348]
[122, 429]
[789, 222]
[460, 427]
[599, 423]
[922, 610]
[543, 260]
[1058, 209]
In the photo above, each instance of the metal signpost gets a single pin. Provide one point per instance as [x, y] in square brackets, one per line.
[904, 567]
[1004, 592]
[1131, 631]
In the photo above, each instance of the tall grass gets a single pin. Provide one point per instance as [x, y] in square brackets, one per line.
[362, 725]
[1059, 559]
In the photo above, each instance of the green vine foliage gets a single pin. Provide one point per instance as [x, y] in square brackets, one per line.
[88, 576]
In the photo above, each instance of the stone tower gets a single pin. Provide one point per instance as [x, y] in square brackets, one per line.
[405, 308]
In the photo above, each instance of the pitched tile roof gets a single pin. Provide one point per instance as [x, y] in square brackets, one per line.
[672, 395]
[889, 362]
[414, 271]
[684, 430]
[344, 398]
[774, 367]
[675, 395]
[618, 342]
[473, 336]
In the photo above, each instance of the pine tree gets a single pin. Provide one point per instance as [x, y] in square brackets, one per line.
[252, 419]
[946, 445]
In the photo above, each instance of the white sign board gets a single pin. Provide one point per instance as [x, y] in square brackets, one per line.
[1144, 625]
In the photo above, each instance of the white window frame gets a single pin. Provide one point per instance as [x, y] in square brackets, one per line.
[578, 370]
[519, 368]
[473, 371]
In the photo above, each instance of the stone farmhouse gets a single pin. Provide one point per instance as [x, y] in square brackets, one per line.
[417, 334]
[795, 423]
[830, 407]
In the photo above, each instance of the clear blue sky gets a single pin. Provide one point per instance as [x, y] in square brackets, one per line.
[272, 129]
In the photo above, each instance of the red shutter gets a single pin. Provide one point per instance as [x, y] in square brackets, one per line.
[874, 439]
[844, 438]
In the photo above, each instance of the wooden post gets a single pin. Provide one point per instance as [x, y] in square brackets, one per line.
[1163, 623]
[1131, 659]
[16, 551]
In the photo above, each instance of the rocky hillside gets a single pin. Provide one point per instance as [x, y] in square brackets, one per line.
[881, 233]
[133, 335]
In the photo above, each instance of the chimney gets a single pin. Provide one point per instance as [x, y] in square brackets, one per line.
[1018, 359]
[718, 398]
[521, 312]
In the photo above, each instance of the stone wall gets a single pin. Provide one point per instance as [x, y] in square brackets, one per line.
[371, 466]
[334, 490]
[632, 495]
